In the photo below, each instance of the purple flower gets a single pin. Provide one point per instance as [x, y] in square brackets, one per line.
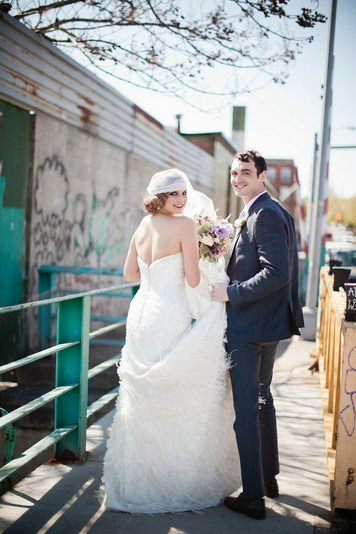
[215, 249]
[222, 231]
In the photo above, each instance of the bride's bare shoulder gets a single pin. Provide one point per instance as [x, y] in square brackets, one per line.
[187, 222]
[182, 226]
[144, 221]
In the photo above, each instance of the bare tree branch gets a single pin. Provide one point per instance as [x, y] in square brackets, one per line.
[171, 47]
[47, 7]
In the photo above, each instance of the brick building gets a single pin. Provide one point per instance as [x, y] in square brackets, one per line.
[283, 176]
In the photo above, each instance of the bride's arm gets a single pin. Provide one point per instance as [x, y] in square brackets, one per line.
[131, 269]
[190, 250]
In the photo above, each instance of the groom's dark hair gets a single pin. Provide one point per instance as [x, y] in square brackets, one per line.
[259, 161]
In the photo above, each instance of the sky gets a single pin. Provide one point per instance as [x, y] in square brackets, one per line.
[281, 120]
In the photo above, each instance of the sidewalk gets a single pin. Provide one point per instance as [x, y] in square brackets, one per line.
[60, 499]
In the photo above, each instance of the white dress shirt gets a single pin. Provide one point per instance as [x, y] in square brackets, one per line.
[247, 207]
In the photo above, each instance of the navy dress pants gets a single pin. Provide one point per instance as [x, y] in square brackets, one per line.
[255, 424]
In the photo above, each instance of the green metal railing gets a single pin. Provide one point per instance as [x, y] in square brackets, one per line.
[72, 375]
[48, 287]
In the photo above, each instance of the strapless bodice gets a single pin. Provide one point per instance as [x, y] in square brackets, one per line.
[160, 309]
[166, 271]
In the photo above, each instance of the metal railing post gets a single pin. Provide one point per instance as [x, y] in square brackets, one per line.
[46, 282]
[72, 376]
[72, 367]
[134, 290]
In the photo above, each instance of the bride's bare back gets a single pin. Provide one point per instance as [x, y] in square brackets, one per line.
[162, 235]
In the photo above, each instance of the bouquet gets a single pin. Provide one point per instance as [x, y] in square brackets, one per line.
[215, 236]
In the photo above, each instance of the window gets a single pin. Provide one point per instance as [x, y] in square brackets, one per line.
[286, 175]
[271, 174]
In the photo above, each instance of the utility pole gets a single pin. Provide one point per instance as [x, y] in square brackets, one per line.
[311, 201]
[318, 226]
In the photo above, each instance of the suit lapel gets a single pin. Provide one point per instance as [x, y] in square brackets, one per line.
[255, 205]
[236, 238]
[260, 200]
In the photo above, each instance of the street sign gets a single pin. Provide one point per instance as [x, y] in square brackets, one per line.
[350, 311]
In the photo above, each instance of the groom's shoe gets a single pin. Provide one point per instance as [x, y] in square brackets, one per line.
[254, 508]
[271, 487]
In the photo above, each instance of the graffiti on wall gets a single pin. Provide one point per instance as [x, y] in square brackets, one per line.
[348, 412]
[77, 228]
[50, 210]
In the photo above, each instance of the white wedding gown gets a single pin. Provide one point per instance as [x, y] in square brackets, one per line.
[172, 446]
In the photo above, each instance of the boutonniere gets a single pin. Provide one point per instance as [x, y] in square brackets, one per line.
[240, 223]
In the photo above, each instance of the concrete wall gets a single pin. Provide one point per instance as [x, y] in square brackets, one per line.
[93, 153]
[86, 204]
[85, 199]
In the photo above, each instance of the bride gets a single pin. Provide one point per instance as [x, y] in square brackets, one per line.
[172, 446]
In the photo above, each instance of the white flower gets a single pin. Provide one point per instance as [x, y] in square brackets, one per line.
[240, 223]
[208, 240]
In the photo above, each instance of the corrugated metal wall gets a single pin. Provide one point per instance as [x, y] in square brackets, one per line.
[39, 77]
[14, 139]
[14, 152]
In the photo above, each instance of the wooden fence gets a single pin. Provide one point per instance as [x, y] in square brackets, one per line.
[337, 363]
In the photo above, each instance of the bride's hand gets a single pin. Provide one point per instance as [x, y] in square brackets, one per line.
[218, 292]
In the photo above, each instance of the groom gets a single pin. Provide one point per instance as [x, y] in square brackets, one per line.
[263, 307]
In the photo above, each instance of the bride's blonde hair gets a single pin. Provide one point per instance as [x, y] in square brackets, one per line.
[153, 203]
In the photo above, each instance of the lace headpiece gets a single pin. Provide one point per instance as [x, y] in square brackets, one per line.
[168, 181]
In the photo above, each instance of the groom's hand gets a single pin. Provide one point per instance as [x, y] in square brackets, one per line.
[219, 293]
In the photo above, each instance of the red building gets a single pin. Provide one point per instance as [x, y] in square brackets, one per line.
[283, 176]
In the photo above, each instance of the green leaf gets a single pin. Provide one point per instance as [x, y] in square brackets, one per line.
[204, 249]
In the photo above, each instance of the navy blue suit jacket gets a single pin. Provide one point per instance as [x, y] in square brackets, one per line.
[264, 302]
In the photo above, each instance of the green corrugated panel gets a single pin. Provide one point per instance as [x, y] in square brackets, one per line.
[14, 135]
[11, 245]
[11, 240]
[14, 153]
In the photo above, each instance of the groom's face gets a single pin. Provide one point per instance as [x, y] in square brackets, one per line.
[245, 181]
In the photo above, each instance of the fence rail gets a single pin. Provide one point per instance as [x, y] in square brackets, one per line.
[337, 353]
[70, 393]
[48, 277]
